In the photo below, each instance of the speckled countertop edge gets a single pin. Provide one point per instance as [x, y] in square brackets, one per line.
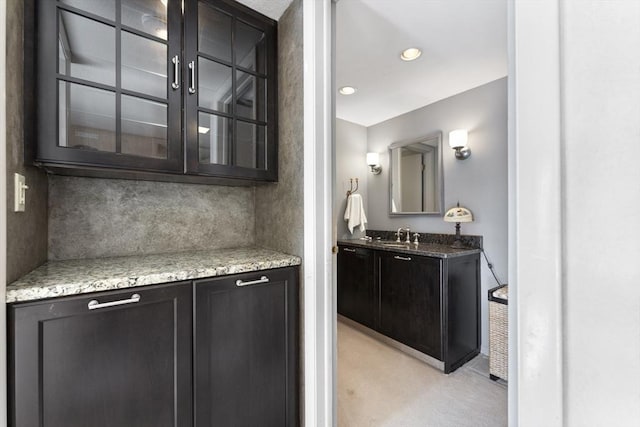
[72, 277]
[425, 249]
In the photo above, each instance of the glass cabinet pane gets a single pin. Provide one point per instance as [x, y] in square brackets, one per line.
[143, 127]
[78, 53]
[251, 94]
[250, 148]
[214, 32]
[144, 65]
[149, 16]
[214, 86]
[214, 136]
[86, 117]
[106, 9]
[250, 48]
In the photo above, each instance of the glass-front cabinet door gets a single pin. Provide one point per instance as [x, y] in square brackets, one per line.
[109, 83]
[231, 108]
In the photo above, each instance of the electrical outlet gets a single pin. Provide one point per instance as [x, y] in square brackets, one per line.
[20, 192]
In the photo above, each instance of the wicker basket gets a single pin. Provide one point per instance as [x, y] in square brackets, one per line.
[498, 333]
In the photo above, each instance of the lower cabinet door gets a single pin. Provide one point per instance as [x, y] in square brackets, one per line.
[357, 296]
[410, 301]
[245, 356]
[118, 358]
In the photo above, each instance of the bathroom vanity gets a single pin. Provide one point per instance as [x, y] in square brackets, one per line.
[422, 298]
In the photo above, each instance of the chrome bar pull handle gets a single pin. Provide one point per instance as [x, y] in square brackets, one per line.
[403, 258]
[94, 304]
[263, 279]
[348, 250]
[176, 73]
[192, 83]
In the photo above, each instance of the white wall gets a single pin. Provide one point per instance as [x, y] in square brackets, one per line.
[479, 183]
[351, 162]
[575, 213]
[601, 117]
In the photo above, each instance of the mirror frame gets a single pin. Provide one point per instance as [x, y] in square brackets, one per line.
[432, 136]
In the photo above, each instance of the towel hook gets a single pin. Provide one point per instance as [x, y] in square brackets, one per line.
[352, 190]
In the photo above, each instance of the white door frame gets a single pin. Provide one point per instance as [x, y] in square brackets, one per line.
[319, 309]
[3, 213]
[535, 214]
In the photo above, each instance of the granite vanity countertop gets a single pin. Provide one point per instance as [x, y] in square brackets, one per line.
[426, 249]
[60, 278]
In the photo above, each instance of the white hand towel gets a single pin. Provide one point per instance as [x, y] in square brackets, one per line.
[354, 214]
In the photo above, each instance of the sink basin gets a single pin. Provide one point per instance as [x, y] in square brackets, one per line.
[395, 245]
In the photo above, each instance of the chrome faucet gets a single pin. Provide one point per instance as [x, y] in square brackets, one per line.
[399, 233]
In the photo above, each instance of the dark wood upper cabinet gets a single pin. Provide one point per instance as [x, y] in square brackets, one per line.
[141, 86]
[230, 101]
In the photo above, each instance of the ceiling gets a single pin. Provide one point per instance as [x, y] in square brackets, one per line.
[271, 8]
[463, 42]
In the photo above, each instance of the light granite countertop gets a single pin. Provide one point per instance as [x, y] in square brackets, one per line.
[71, 277]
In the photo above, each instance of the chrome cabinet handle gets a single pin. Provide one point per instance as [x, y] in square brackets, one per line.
[176, 73]
[192, 83]
[403, 258]
[263, 279]
[348, 250]
[94, 304]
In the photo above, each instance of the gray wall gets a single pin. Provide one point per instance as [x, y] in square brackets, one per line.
[351, 149]
[90, 218]
[26, 231]
[479, 183]
[280, 207]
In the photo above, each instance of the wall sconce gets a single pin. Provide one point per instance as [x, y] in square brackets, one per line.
[373, 160]
[458, 214]
[458, 141]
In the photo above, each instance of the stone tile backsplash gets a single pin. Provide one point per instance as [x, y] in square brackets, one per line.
[92, 218]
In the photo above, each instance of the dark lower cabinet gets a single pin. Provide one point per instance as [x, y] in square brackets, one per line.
[137, 358]
[410, 301]
[245, 350]
[431, 304]
[357, 294]
[118, 358]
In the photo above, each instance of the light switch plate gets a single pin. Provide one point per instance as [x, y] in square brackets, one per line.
[20, 189]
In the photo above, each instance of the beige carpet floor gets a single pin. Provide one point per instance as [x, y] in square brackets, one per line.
[381, 386]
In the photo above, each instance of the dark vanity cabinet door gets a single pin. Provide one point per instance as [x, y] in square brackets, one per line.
[108, 92]
[357, 295]
[410, 300]
[125, 362]
[230, 99]
[245, 352]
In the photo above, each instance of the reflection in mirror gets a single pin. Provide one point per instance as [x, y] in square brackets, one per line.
[415, 176]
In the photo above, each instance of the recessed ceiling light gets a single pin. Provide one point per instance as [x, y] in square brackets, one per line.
[347, 90]
[410, 54]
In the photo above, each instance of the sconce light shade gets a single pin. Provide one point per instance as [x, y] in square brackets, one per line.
[458, 141]
[458, 215]
[373, 160]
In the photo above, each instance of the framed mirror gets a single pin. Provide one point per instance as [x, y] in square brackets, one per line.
[416, 182]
